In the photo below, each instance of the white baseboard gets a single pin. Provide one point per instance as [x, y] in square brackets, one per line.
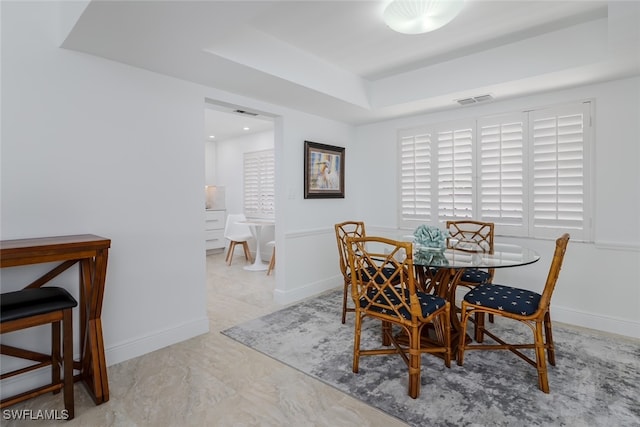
[160, 339]
[298, 294]
[610, 324]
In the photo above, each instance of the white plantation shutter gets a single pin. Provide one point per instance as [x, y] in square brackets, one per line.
[501, 172]
[560, 170]
[259, 184]
[415, 176]
[527, 172]
[268, 185]
[455, 173]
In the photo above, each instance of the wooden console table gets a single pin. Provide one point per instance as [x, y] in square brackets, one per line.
[91, 253]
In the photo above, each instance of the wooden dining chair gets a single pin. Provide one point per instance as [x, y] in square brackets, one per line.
[344, 230]
[520, 305]
[473, 236]
[394, 299]
[32, 307]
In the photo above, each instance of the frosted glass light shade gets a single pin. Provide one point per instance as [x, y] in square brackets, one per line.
[420, 16]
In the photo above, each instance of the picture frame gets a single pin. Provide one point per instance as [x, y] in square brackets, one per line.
[323, 171]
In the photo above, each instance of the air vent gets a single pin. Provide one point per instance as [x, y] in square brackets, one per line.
[466, 101]
[475, 99]
[248, 113]
[483, 98]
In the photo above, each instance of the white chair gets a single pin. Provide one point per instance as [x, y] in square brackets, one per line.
[237, 234]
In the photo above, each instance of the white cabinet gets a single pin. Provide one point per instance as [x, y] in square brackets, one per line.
[214, 229]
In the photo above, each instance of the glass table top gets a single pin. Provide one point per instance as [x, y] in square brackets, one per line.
[504, 255]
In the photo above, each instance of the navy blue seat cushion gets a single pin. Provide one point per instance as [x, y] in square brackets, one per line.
[505, 298]
[473, 275]
[32, 302]
[428, 303]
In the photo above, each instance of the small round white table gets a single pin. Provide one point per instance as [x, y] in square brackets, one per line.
[256, 229]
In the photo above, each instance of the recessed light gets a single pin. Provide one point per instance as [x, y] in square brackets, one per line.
[212, 136]
[245, 128]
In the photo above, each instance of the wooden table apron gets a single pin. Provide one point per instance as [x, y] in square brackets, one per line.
[91, 253]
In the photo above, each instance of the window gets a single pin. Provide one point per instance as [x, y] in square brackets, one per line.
[559, 170]
[259, 184]
[455, 172]
[528, 172]
[501, 172]
[415, 176]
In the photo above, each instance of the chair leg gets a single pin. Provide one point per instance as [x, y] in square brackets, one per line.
[56, 361]
[462, 339]
[232, 246]
[67, 348]
[247, 254]
[541, 364]
[344, 301]
[414, 363]
[272, 263]
[356, 342]
[551, 352]
[479, 326]
[387, 331]
[446, 325]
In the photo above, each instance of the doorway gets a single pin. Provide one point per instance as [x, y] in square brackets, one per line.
[232, 135]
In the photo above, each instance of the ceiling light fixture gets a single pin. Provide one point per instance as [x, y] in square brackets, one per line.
[420, 16]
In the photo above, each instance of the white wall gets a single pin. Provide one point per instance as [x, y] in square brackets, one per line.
[94, 146]
[600, 283]
[210, 159]
[310, 255]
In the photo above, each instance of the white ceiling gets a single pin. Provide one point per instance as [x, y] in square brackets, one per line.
[224, 124]
[337, 59]
[352, 36]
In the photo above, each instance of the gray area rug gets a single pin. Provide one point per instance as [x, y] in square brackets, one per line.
[596, 380]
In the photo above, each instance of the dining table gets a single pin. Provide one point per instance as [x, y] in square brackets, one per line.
[439, 270]
[256, 226]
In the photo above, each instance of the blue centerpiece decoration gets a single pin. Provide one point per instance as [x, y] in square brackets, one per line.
[430, 243]
[429, 237]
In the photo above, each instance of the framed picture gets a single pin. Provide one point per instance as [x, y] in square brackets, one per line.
[323, 171]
